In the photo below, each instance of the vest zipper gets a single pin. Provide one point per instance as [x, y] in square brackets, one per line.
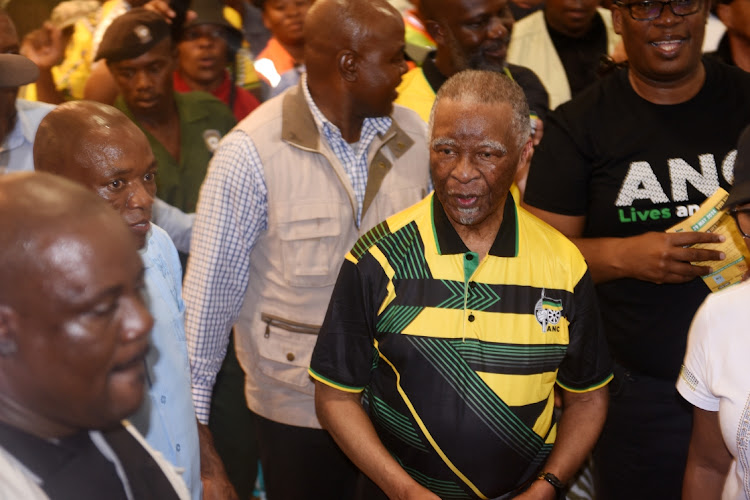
[288, 325]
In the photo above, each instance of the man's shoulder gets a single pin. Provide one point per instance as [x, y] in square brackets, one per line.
[720, 74]
[548, 242]
[197, 104]
[606, 16]
[34, 107]
[410, 122]
[160, 240]
[597, 98]
[197, 98]
[524, 76]
[392, 227]
[16, 480]
[268, 114]
[160, 249]
[30, 115]
[413, 83]
[415, 93]
[528, 26]
[532, 86]
[171, 473]
[414, 75]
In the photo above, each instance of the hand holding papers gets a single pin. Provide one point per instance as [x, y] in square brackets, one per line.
[712, 218]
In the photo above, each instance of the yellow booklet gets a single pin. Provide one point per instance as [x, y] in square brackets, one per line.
[712, 218]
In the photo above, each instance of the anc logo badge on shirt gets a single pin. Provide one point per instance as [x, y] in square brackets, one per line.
[211, 137]
[548, 313]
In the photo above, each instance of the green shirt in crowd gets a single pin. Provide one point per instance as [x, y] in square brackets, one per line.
[203, 122]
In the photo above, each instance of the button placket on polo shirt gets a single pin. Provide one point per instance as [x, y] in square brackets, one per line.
[470, 262]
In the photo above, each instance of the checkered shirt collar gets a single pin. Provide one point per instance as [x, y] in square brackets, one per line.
[370, 127]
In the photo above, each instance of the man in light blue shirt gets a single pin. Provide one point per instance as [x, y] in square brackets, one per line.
[99, 147]
[16, 148]
[19, 119]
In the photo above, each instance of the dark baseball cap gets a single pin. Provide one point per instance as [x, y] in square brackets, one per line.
[16, 70]
[740, 192]
[132, 35]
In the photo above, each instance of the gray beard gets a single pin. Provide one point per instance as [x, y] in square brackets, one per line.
[467, 217]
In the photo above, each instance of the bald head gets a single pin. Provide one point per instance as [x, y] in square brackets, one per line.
[335, 25]
[73, 322]
[350, 19]
[98, 146]
[354, 53]
[36, 208]
[75, 134]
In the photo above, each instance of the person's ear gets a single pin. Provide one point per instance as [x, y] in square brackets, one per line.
[8, 331]
[522, 167]
[706, 11]
[527, 153]
[617, 19]
[347, 65]
[724, 13]
[436, 31]
[266, 22]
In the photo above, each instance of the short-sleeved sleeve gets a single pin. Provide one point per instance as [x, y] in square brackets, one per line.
[587, 364]
[692, 383]
[343, 355]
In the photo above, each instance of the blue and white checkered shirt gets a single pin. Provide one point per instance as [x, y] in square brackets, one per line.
[232, 213]
[354, 163]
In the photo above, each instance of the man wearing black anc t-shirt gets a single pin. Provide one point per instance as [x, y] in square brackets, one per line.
[628, 158]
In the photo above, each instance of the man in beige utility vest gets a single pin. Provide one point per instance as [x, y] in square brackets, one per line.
[287, 194]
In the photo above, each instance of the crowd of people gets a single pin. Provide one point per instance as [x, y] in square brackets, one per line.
[367, 249]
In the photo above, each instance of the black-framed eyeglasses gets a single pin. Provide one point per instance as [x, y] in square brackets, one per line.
[649, 10]
[742, 217]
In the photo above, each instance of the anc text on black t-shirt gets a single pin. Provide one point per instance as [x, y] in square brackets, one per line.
[631, 166]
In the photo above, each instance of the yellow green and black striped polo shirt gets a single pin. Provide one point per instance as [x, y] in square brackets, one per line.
[458, 358]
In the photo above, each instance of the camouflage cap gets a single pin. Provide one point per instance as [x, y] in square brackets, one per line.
[131, 35]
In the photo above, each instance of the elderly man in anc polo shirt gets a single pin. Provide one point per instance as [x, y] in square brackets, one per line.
[451, 322]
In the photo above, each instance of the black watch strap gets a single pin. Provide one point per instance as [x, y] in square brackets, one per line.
[554, 481]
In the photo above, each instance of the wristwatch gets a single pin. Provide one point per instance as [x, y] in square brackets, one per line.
[555, 482]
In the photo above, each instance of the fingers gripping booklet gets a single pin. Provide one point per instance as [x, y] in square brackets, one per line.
[712, 218]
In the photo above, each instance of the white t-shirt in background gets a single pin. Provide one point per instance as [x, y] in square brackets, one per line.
[716, 376]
